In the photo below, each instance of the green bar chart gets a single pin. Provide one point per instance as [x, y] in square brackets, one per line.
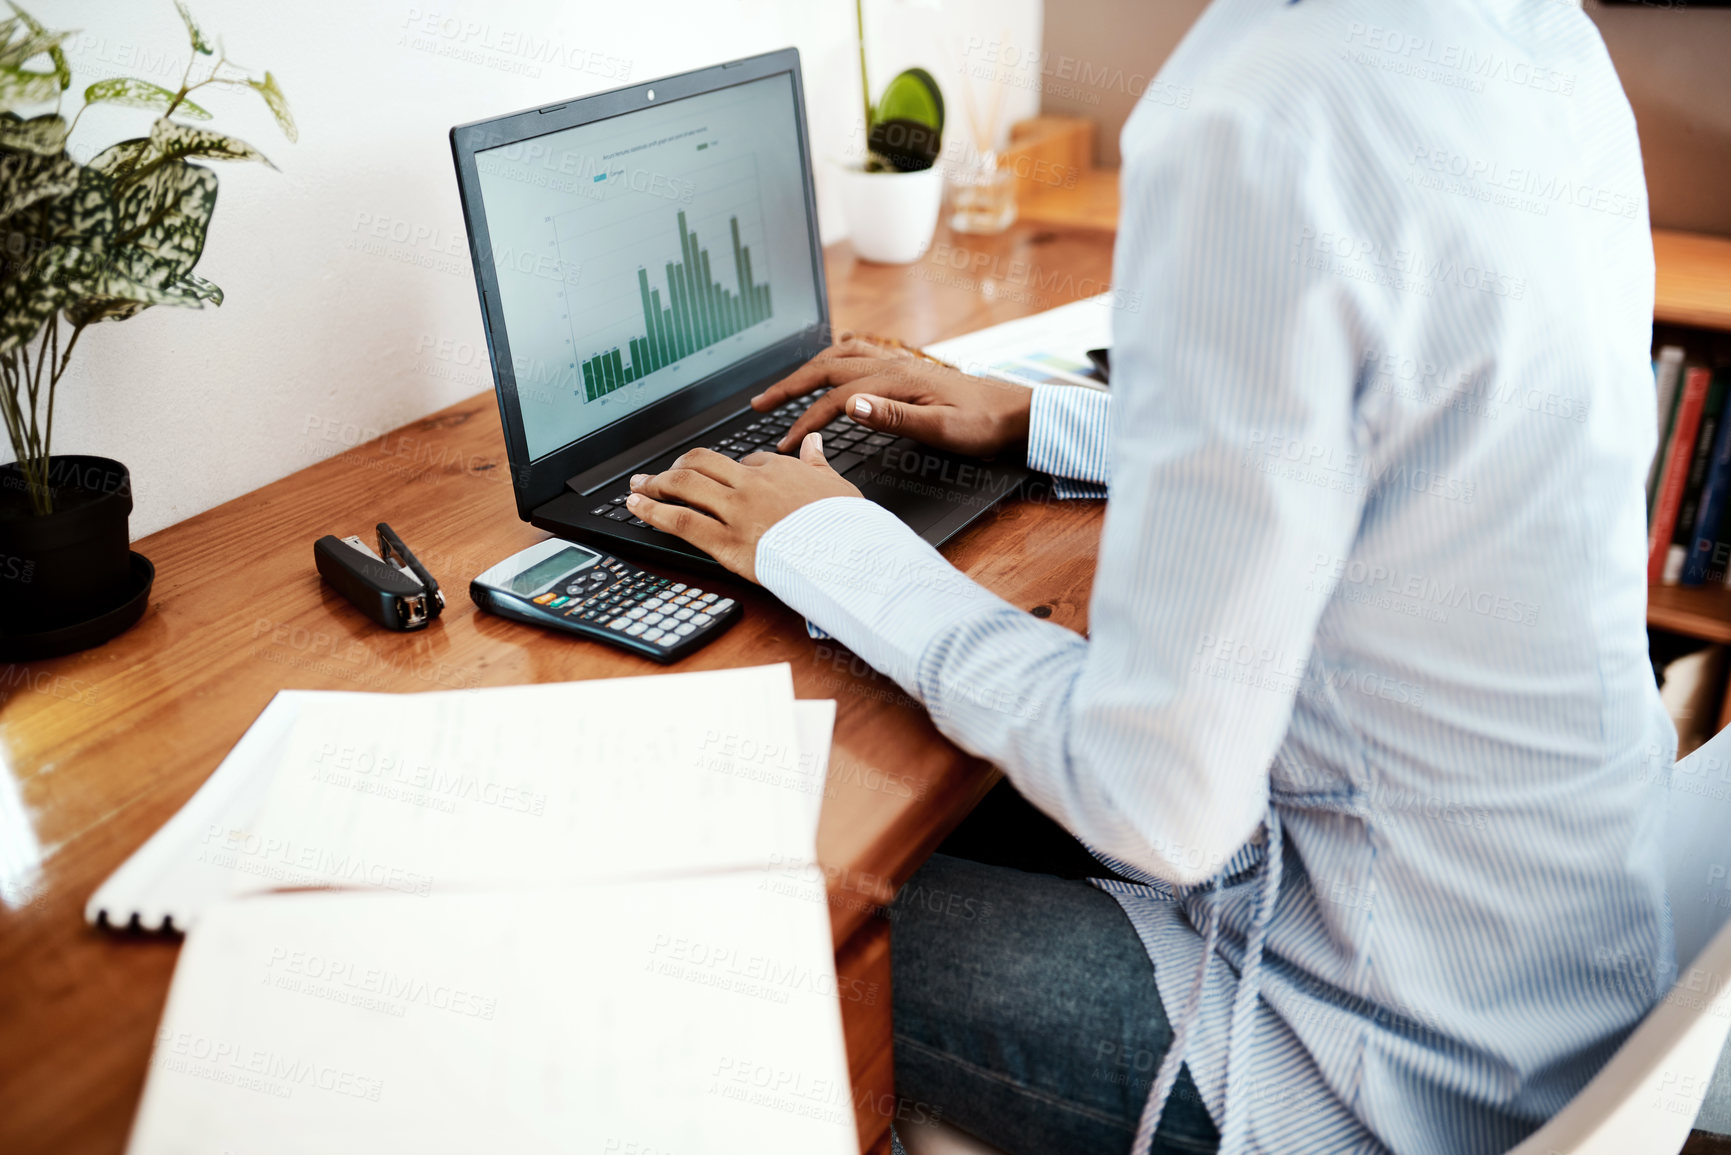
[696, 312]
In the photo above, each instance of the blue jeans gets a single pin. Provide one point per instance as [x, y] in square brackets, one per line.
[1026, 1014]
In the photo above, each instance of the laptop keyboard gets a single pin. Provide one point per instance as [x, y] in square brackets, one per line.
[845, 445]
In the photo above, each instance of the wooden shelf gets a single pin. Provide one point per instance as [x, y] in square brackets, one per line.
[1693, 282]
[1696, 611]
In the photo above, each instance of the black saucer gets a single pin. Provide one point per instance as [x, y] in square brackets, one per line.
[90, 632]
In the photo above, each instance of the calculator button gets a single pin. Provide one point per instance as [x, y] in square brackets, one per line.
[685, 629]
[619, 623]
[635, 628]
[693, 593]
[600, 510]
[677, 587]
[842, 462]
[618, 513]
[722, 606]
[653, 635]
[701, 620]
[634, 614]
[707, 598]
[558, 603]
[683, 615]
[653, 604]
[638, 521]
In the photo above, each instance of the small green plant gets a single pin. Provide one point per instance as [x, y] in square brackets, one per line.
[105, 239]
[905, 128]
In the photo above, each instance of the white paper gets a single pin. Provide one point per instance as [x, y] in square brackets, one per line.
[187, 864]
[1042, 348]
[814, 725]
[615, 778]
[671, 1016]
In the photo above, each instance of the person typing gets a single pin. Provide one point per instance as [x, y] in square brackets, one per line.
[1363, 734]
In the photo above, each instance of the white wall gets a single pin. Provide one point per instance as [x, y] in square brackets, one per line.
[351, 308]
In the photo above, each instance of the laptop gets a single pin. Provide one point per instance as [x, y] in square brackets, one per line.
[648, 260]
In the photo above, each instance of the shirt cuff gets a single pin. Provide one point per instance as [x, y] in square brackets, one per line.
[1067, 433]
[858, 572]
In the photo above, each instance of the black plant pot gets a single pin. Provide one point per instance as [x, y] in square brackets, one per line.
[68, 580]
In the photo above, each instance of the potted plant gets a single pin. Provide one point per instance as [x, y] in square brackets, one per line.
[891, 198]
[82, 242]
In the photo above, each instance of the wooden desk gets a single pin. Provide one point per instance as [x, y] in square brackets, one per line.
[97, 750]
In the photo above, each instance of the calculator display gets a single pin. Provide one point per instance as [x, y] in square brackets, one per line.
[564, 562]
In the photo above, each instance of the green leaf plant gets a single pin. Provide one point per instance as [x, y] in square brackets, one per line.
[105, 239]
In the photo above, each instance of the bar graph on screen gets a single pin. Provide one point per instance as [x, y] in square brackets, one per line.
[631, 317]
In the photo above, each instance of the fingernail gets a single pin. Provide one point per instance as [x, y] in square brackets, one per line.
[756, 399]
[862, 407]
[813, 439]
[633, 500]
[637, 480]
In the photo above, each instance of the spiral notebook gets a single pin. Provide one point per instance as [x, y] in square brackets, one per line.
[608, 779]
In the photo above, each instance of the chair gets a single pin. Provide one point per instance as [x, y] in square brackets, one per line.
[1647, 1097]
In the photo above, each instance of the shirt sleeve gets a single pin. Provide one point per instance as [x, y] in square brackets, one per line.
[1150, 740]
[1067, 436]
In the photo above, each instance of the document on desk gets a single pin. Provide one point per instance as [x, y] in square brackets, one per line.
[518, 784]
[1049, 348]
[686, 1016]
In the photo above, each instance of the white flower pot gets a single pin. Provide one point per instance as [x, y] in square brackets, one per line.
[890, 215]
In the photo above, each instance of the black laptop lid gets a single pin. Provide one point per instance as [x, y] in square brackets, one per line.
[642, 255]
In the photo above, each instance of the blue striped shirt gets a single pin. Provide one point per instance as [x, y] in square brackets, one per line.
[1366, 701]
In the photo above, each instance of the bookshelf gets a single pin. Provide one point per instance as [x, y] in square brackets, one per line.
[1692, 288]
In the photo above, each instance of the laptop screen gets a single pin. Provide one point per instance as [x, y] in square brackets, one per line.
[640, 254]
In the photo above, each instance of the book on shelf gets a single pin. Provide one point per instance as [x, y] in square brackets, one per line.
[1695, 484]
[1667, 376]
[1705, 561]
[1674, 473]
[1706, 557]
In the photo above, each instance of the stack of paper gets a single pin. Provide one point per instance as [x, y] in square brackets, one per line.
[546, 926]
[620, 778]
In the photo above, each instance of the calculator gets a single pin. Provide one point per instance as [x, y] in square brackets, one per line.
[571, 588]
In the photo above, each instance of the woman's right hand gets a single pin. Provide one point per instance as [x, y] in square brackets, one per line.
[894, 391]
